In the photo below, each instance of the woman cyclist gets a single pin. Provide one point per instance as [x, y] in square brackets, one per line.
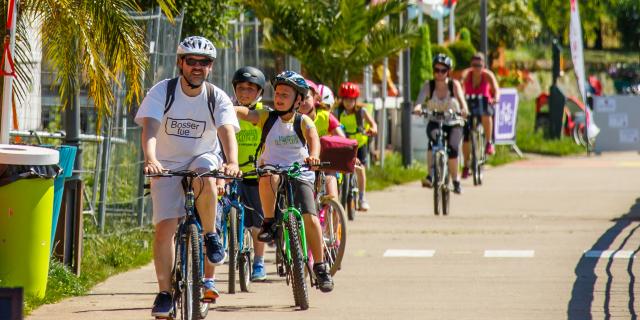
[444, 94]
[480, 81]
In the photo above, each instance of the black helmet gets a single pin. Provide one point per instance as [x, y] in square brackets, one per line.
[442, 58]
[249, 74]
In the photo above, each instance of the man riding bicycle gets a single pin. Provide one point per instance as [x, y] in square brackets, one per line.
[182, 121]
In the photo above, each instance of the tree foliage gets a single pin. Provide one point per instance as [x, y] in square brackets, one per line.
[88, 43]
[208, 18]
[510, 22]
[332, 38]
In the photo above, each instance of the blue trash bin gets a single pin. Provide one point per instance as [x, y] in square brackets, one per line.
[67, 159]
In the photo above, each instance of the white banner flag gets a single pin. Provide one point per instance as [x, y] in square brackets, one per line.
[577, 56]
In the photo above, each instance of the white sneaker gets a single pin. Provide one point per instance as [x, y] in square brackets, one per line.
[364, 205]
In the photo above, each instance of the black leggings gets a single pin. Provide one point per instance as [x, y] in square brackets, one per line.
[454, 137]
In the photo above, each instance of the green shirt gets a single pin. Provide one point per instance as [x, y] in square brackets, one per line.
[322, 122]
[350, 124]
[248, 140]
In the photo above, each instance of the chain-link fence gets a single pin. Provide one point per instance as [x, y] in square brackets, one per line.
[112, 156]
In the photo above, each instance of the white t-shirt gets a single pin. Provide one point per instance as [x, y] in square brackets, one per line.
[186, 130]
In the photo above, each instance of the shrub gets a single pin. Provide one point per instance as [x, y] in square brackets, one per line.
[465, 35]
[421, 62]
[463, 52]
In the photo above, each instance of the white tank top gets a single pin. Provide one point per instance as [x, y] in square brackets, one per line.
[443, 105]
[283, 147]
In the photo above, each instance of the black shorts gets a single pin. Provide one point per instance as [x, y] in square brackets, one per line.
[250, 197]
[303, 197]
[486, 108]
[363, 152]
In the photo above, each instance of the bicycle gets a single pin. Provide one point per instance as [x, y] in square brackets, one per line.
[440, 167]
[334, 227]
[478, 157]
[188, 268]
[349, 194]
[290, 240]
[237, 239]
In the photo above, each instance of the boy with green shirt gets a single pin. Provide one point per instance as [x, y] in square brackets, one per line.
[248, 85]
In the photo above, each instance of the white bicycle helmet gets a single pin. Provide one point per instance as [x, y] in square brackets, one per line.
[197, 45]
[326, 95]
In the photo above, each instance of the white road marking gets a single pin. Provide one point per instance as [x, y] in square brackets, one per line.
[401, 253]
[509, 253]
[606, 254]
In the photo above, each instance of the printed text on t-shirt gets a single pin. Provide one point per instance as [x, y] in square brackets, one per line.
[185, 128]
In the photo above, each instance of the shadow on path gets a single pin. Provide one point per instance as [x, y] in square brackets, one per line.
[582, 295]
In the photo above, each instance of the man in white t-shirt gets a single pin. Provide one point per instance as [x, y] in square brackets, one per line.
[182, 128]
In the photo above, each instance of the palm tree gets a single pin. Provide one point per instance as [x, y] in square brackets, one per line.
[335, 37]
[87, 42]
[510, 22]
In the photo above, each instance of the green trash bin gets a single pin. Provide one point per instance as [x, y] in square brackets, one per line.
[26, 208]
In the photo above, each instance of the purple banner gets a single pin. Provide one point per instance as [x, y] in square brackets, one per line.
[506, 113]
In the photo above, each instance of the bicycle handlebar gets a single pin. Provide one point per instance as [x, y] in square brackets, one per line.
[279, 170]
[193, 174]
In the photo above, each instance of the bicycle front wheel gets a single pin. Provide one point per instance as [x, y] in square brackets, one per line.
[349, 200]
[192, 275]
[438, 174]
[334, 232]
[244, 258]
[232, 236]
[300, 294]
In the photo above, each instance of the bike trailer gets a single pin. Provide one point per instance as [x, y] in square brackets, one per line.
[339, 152]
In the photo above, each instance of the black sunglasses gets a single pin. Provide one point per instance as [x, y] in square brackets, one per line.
[201, 62]
[440, 70]
[477, 65]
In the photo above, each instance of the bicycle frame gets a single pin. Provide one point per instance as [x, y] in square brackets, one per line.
[288, 187]
[233, 201]
[191, 217]
[440, 145]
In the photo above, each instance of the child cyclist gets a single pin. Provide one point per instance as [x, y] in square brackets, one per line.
[359, 125]
[283, 146]
[248, 86]
[316, 106]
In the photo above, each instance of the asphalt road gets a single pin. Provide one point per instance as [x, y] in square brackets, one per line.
[546, 238]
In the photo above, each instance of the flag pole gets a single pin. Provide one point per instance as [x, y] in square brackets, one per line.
[8, 72]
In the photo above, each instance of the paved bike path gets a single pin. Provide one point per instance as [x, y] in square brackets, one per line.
[511, 249]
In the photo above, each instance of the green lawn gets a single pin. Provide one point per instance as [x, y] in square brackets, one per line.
[534, 142]
[104, 256]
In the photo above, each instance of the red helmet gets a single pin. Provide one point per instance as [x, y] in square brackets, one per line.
[349, 90]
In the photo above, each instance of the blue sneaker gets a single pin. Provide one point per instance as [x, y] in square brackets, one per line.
[259, 273]
[215, 251]
[163, 305]
[210, 291]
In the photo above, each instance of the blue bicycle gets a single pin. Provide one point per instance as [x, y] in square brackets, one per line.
[188, 268]
[237, 239]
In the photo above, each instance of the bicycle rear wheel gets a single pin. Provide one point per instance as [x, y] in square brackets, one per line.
[334, 231]
[300, 293]
[479, 154]
[232, 236]
[192, 275]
